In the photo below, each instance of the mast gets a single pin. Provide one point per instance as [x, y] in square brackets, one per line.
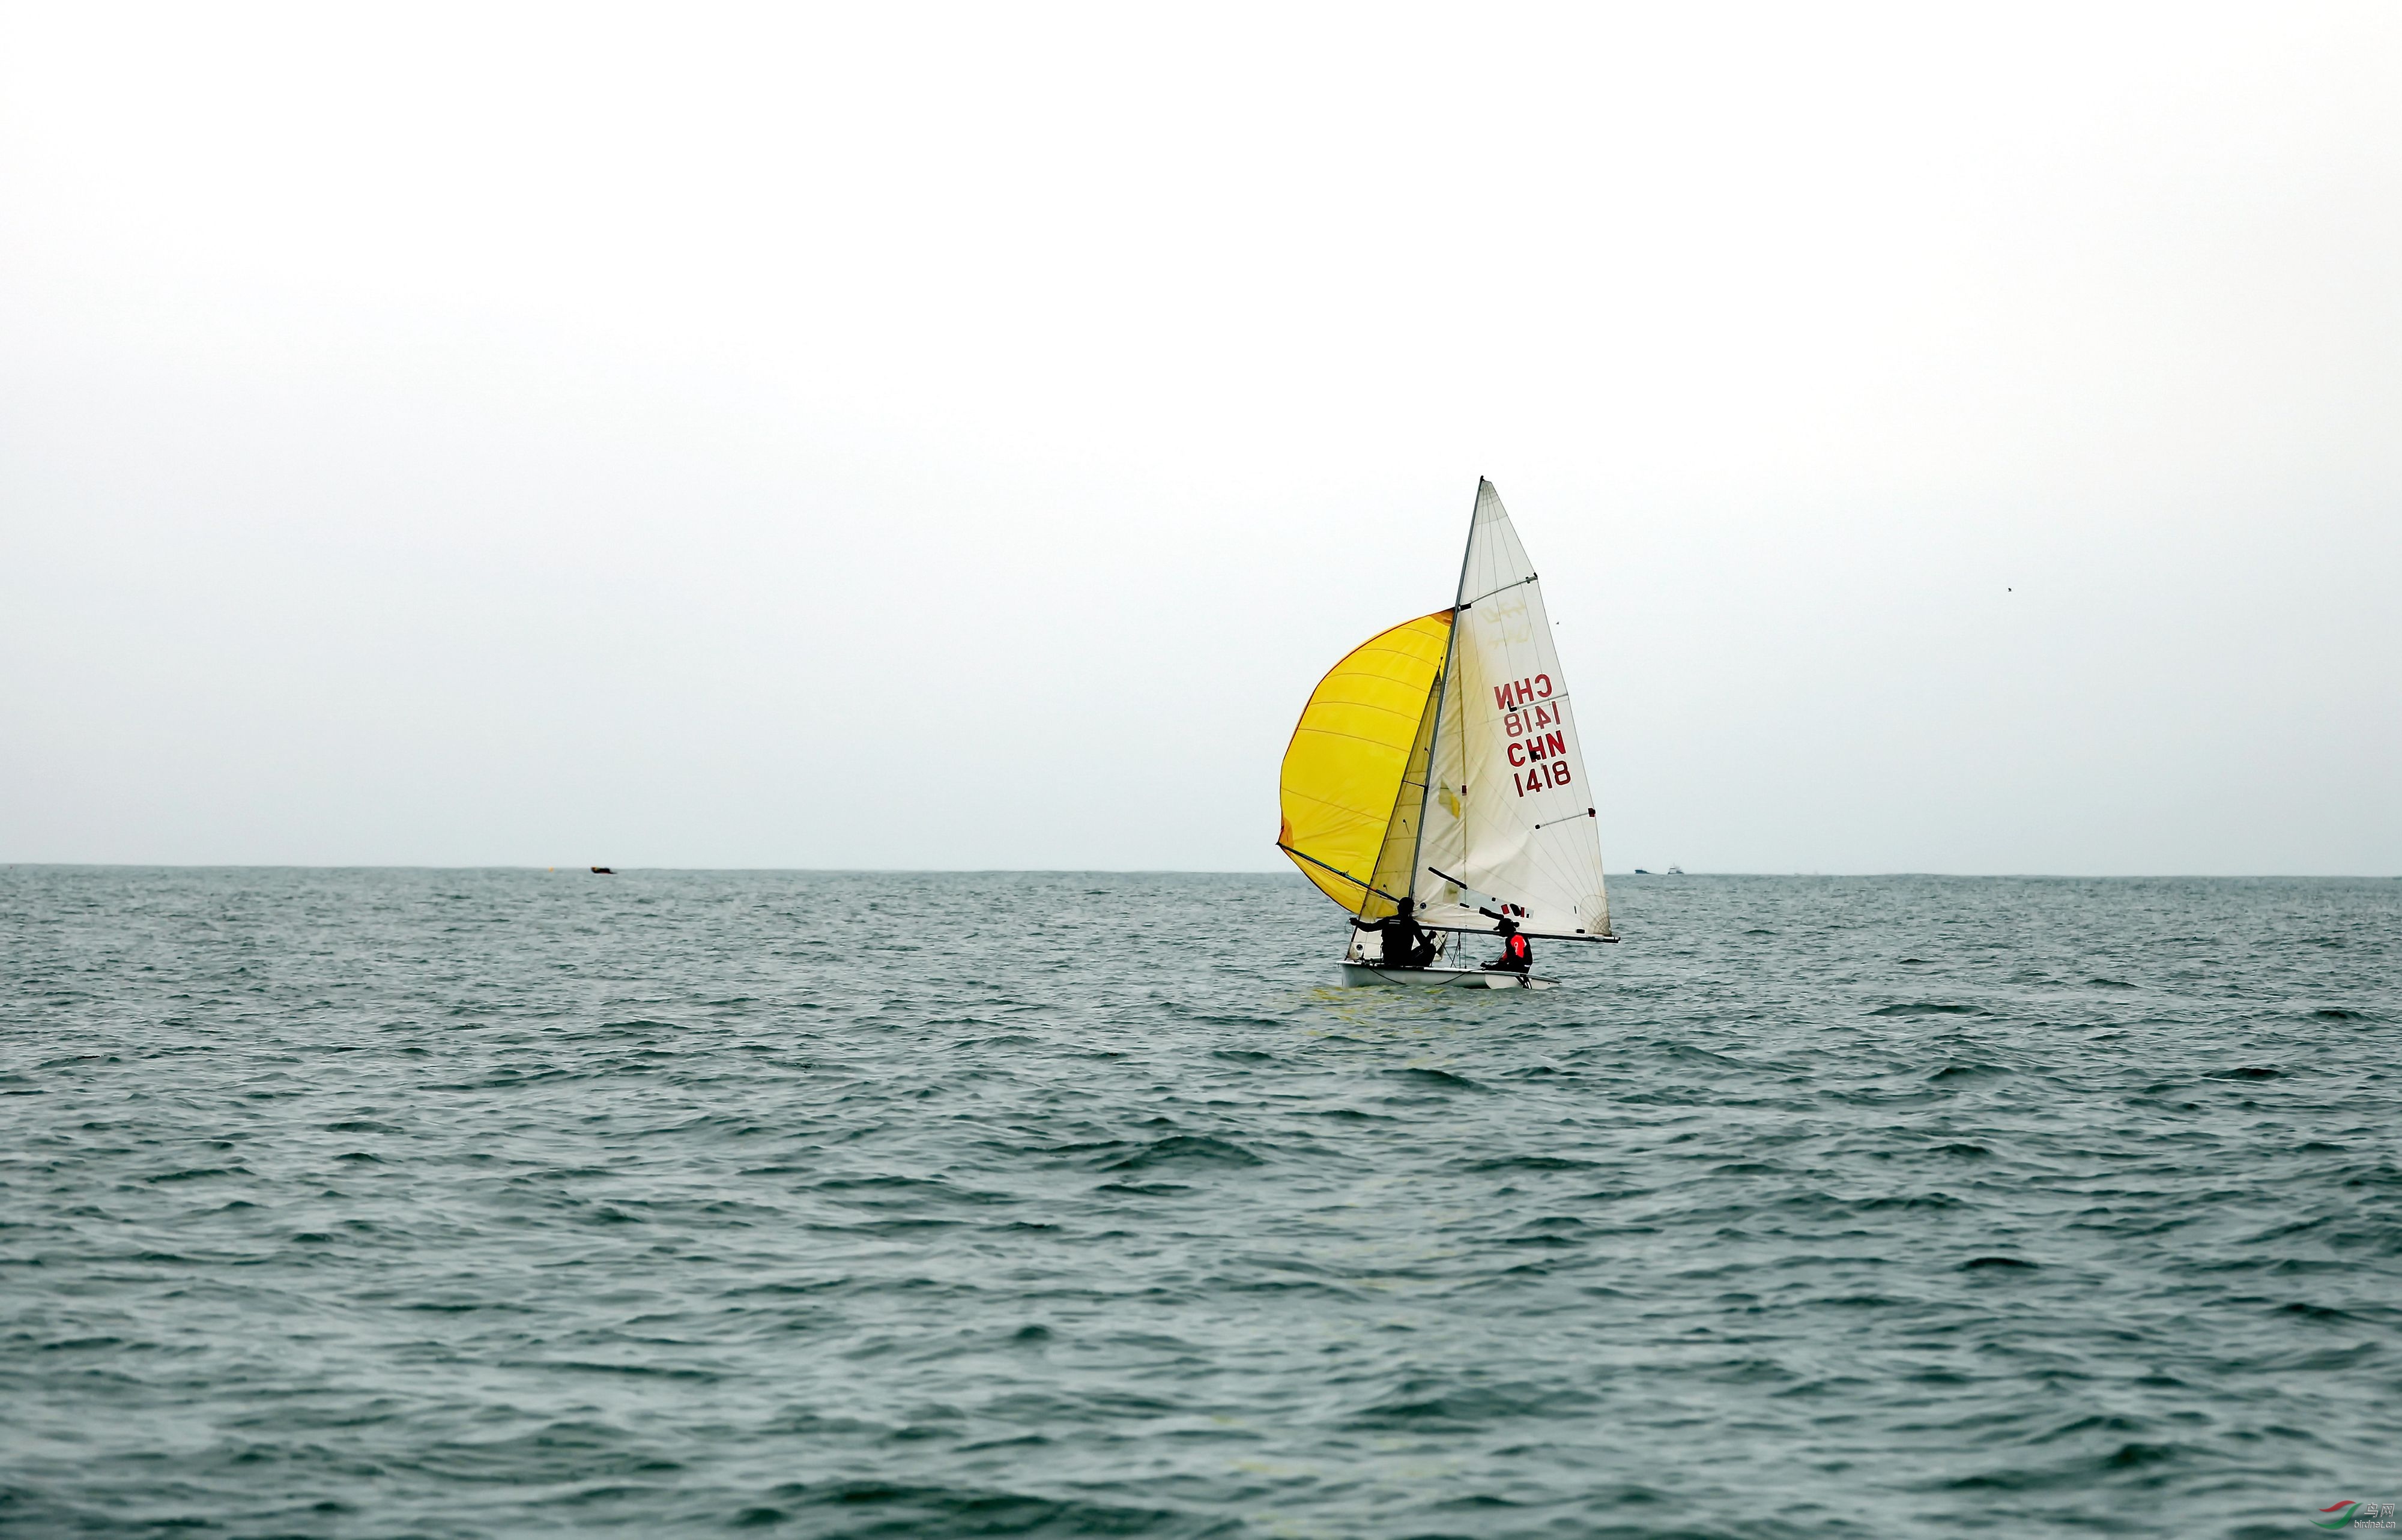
[1442, 688]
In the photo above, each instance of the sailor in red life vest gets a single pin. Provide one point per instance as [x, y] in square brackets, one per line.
[1516, 957]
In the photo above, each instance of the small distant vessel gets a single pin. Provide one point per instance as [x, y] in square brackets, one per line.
[1437, 762]
[1676, 871]
[606, 870]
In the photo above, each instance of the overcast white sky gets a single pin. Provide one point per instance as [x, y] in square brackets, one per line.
[1952, 439]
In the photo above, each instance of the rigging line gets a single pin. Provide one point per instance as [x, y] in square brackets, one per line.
[1339, 807]
[1362, 705]
[1442, 688]
[1370, 645]
[1480, 598]
[1378, 644]
[1329, 732]
[1336, 870]
[1564, 862]
[1530, 935]
[1570, 818]
[1385, 675]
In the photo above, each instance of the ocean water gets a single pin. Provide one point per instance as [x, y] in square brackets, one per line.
[515, 1203]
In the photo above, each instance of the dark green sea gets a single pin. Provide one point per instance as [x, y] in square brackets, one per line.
[404, 1203]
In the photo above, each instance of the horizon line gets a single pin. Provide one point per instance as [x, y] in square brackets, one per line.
[1123, 870]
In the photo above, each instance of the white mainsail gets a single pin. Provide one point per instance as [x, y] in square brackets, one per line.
[1510, 814]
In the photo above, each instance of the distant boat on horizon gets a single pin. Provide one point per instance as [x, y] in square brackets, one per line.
[606, 870]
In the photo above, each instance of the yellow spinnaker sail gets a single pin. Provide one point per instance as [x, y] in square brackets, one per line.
[1344, 769]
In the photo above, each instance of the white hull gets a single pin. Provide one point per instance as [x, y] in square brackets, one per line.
[1454, 978]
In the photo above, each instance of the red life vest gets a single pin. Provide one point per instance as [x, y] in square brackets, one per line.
[1515, 948]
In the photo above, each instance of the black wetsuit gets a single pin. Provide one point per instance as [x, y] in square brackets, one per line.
[1402, 944]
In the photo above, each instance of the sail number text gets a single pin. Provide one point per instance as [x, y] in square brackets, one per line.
[1538, 753]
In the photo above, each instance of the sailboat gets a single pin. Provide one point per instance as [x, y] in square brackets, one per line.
[1437, 762]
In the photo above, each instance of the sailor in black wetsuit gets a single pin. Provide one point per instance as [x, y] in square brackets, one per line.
[1402, 944]
[1517, 955]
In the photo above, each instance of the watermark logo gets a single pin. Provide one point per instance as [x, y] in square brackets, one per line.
[2353, 1514]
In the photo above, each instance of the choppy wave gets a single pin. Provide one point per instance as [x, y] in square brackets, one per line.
[453, 1203]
